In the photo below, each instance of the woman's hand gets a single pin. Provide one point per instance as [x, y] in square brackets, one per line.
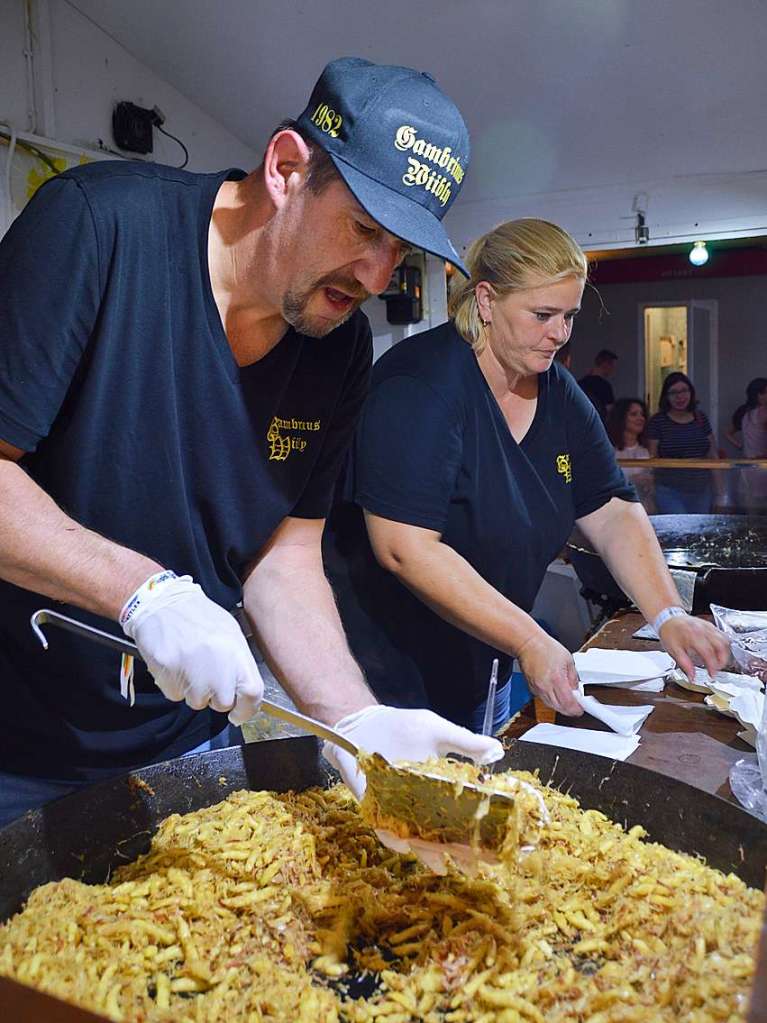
[687, 639]
[550, 672]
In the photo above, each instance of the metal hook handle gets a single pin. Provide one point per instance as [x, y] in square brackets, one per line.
[47, 617]
[124, 646]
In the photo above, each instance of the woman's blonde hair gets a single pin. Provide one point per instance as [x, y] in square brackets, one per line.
[519, 254]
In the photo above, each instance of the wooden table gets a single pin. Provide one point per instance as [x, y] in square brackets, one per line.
[682, 738]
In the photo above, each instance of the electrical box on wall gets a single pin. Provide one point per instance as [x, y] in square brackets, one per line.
[132, 127]
[404, 293]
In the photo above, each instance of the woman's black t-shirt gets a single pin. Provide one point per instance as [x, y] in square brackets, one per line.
[434, 450]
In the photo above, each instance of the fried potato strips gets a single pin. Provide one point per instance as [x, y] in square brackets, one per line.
[272, 907]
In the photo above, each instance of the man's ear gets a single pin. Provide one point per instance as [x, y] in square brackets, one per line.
[286, 163]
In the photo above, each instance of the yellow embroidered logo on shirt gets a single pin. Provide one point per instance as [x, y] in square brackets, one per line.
[284, 436]
[564, 468]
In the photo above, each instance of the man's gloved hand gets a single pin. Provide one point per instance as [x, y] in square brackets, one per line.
[400, 734]
[193, 648]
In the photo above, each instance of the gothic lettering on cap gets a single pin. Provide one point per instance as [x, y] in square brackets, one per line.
[421, 174]
[406, 139]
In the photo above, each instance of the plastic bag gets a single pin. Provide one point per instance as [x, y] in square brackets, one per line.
[747, 631]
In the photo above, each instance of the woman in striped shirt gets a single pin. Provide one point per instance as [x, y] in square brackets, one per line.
[681, 430]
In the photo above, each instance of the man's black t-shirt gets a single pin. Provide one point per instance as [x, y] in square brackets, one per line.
[117, 378]
[433, 450]
[599, 392]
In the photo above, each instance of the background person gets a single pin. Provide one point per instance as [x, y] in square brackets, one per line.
[564, 355]
[596, 384]
[475, 455]
[733, 433]
[625, 428]
[177, 390]
[680, 430]
[756, 390]
[751, 420]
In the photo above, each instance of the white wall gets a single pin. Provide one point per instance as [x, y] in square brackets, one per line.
[79, 72]
[13, 85]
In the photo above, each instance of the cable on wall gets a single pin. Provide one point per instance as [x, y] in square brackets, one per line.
[186, 151]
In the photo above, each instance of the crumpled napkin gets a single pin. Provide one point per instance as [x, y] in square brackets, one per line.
[627, 669]
[722, 694]
[623, 720]
[748, 707]
[748, 735]
[734, 685]
[586, 740]
[739, 697]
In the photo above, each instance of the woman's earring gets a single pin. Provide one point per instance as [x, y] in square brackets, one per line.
[485, 323]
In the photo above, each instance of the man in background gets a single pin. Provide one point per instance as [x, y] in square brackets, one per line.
[596, 384]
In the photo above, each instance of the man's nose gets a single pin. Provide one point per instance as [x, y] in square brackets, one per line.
[375, 268]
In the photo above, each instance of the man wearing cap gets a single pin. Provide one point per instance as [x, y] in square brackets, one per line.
[183, 361]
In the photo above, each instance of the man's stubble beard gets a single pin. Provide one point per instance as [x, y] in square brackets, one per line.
[296, 301]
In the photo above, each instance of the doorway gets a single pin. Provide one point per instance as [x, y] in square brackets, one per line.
[680, 337]
[665, 347]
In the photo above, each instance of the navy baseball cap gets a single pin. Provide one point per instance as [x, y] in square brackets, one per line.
[398, 142]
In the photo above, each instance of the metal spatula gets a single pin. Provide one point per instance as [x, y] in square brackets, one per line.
[464, 813]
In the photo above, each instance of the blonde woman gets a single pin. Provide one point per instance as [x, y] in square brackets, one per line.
[475, 456]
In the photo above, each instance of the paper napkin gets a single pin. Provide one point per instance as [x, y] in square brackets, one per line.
[624, 720]
[601, 744]
[623, 668]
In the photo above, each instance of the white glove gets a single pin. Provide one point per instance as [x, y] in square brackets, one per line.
[193, 648]
[400, 734]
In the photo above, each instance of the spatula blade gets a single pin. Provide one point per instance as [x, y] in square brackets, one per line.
[414, 803]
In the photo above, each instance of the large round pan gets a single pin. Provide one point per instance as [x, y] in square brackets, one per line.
[88, 834]
[727, 553]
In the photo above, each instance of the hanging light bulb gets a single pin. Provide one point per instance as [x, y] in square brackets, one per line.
[698, 254]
